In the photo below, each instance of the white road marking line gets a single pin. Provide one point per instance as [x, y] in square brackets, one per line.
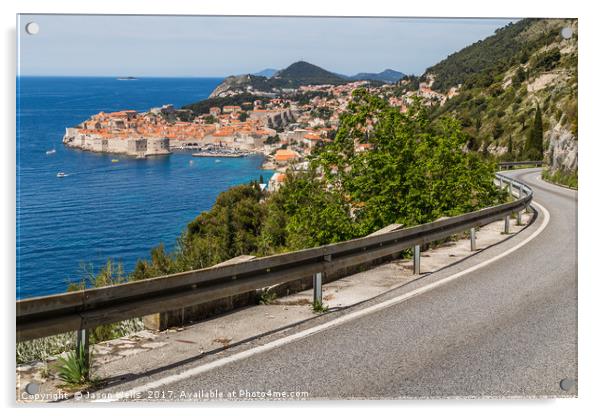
[203, 368]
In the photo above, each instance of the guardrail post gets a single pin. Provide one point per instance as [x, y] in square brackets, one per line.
[507, 224]
[318, 282]
[473, 239]
[83, 342]
[417, 259]
[318, 288]
[518, 218]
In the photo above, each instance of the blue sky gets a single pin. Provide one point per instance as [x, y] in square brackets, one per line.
[219, 46]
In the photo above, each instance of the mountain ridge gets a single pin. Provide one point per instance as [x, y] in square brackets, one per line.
[297, 74]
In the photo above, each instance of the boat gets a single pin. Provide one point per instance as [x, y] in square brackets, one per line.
[127, 79]
[114, 160]
[51, 151]
[217, 160]
[61, 175]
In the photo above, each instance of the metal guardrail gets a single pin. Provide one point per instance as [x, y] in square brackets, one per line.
[506, 165]
[85, 309]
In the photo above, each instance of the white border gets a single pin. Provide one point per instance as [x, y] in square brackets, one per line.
[590, 150]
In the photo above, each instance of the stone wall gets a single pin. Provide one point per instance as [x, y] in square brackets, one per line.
[132, 146]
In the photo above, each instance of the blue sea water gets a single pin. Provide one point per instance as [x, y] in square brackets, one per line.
[103, 209]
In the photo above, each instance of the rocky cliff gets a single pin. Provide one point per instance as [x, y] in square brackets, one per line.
[561, 152]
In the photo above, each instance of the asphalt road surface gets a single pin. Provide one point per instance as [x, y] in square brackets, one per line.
[506, 329]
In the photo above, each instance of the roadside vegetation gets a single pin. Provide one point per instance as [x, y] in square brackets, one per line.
[560, 177]
[72, 369]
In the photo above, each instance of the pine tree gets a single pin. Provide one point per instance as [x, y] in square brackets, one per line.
[538, 132]
[534, 143]
[510, 150]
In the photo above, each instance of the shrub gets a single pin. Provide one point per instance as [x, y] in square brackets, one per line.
[73, 368]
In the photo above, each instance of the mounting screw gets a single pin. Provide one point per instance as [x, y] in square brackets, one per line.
[567, 384]
[32, 28]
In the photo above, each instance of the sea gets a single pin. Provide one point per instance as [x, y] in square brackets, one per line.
[68, 227]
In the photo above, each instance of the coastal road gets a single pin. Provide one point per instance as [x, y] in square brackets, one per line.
[506, 328]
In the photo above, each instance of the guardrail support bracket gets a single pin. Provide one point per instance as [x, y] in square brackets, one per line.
[317, 287]
[417, 259]
[473, 239]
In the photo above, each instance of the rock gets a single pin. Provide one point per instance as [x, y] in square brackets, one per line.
[562, 149]
[152, 345]
[131, 351]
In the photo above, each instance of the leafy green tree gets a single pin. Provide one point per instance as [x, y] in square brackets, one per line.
[210, 119]
[417, 172]
[304, 213]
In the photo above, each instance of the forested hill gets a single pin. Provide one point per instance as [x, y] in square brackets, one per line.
[504, 79]
[492, 55]
[304, 73]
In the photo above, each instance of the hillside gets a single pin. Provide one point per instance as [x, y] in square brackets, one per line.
[304, 73]
[203, 106]
[388, 75]
[295, 75]
[504, 80]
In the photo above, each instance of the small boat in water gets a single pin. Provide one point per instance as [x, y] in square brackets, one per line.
[51, 151]
[217, 160]
[61, 175]
[114, 160]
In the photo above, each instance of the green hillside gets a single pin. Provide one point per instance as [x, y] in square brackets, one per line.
[504, 80]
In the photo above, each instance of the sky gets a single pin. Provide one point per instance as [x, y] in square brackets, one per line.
[205, 46]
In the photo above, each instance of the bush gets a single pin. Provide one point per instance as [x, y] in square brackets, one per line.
[547, 60]
[73, 368]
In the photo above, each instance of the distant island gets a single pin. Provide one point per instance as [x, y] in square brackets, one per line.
[268, 72]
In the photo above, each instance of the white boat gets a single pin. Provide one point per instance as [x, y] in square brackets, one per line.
[51, 151]
[61, 175]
